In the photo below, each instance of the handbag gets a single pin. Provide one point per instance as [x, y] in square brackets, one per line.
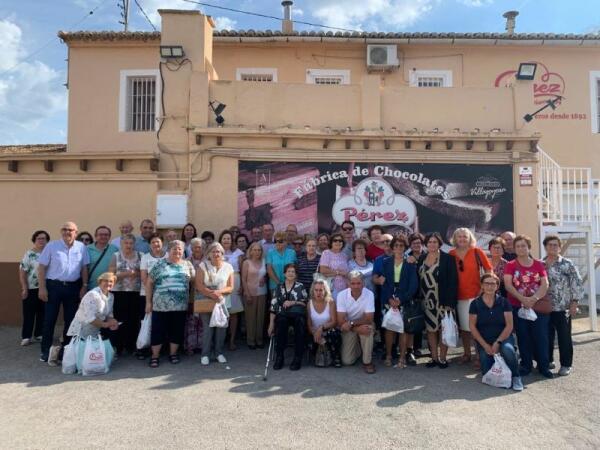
[479, 263]
[543, 305]
[414, 317]
[322, 356]
[204, 306]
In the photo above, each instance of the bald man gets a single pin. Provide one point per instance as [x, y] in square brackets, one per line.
[63, 279]
[126, 227]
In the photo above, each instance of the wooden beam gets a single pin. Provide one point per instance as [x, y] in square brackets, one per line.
[386, 144]
[348, 144]
[469, 145]
[284, 142]
[326, 143]
[13, 166]
[490, 146]
[219, 140]
[83, 165]
[366, 144]
[154, 164]
[198, 139]
[407, 144]
[510, 145]
[449, 145]
[119, 163]
[49, 165]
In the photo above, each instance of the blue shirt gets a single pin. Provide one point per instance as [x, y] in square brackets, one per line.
[490, 321]
[142, 245]
[64, 263]
[94, 254]
[278, 261]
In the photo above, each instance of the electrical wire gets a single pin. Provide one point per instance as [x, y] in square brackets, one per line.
[208, 5]
[51, 41]
[145, 15]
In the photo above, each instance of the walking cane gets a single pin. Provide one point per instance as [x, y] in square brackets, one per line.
[268, 358]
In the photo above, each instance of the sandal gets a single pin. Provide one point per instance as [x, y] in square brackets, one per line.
[401, 364]
[464, 359]
[154, 363]
[174, 359]
[387, 362]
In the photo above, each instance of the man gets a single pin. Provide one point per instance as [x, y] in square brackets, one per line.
[63, 279]
[100, 254]
[142, 242]
[348, 234]
[509, 249]
[291, 232]
[355, 310]
[126, 227]
[377, 246]
[170, 236]
[255, 234]
[267, 238]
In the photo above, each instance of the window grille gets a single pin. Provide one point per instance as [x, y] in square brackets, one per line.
[259, 77]
[141, 103]
[328, 80]
[430, 82]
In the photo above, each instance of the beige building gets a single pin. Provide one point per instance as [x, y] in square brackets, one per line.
[418, 131]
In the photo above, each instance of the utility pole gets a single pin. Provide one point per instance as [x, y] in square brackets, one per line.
[124, 7]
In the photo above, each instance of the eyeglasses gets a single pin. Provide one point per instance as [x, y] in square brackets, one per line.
[337, 240]
[490, 283]
[347, 229]
[279, 241]
[461, 265]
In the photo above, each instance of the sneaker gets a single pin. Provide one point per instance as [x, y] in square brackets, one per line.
[53, 355]
[37, 339]
[43, 358]
[517, 384]
[547, 374]
[551, 366]
[205, 361]
[221, 359]
[25, 342]
[564, 371]
[410, 359]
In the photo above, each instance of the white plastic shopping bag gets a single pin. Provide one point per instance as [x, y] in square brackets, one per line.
[393, 321]
[449, 330]
[69, 361]
[527, 314]
[220, 316]
[94, 357]
[499, 375]
[143, 340]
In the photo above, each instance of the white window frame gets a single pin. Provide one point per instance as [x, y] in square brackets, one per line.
[446, 75]
[123, 76]
[312, 74]
[256, 71]
[594, 103]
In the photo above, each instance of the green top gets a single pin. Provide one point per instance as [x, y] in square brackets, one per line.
[102, 266]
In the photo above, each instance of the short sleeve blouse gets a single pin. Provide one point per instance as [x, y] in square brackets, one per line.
[526, 280]
[469, 284]
[29, 265]
[336, 261]
[171, 285]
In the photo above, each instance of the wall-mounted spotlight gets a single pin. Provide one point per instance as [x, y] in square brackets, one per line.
[526, 71]
[171, 51]
[217, 109]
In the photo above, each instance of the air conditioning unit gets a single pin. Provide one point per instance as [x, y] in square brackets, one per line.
[382, 57]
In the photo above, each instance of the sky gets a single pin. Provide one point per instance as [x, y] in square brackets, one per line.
[33, 96]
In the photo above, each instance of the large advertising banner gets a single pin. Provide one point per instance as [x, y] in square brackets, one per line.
[318, 197]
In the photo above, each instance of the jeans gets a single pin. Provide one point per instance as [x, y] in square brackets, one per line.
[282, 325]
[59, 293]
[507, 351]
[533, 341]
[560, 325]
[33, 313]
[207, 336]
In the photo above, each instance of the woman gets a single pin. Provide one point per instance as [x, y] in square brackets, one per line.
[126, 264]
[235, 306]
[322, 320]
[167, 296]
[360, 263]
[438, 286]
[193, 324]
[208, 237]
[322, 243]
[33, 307]
[334, 263]
[415, 244]
[496, 248]
[85, 237]
[288, 309]
[565, 292]
[188, 233]
[491, 323]
[398, 289]
[308, 263]
[241, 243]
[471, 263]
[526, 282]
[254, 284]
[95, 312]
[277, 259]
[214, 281]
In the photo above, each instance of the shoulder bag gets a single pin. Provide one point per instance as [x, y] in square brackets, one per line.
[204, 305]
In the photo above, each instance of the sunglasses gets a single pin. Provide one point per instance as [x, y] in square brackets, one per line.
[347, 229]
[279, 241]
[337, 240]
[298, 243]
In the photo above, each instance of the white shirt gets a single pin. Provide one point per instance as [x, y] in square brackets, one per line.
[355, 309]
[64, 263]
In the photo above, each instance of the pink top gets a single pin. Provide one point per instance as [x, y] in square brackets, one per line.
[526, 280]
[256, 273]
[336, 261]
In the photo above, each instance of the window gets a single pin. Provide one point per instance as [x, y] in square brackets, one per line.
[595, 100]
[261, 75]
[431, 78]
[139, 102]
[327, 76]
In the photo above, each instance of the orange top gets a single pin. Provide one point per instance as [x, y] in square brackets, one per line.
[469, 284]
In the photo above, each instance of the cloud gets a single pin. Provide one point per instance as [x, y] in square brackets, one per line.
[225, 23]
[30, 91]
[356, 14]
[152, 6]
[476, 3]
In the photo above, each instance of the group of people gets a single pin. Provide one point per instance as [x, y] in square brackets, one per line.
[331, 292]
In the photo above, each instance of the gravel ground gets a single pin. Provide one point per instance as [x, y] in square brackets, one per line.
[230, 406]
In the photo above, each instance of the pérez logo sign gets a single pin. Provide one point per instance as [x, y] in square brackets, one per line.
[546, 86]
[374, 202]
